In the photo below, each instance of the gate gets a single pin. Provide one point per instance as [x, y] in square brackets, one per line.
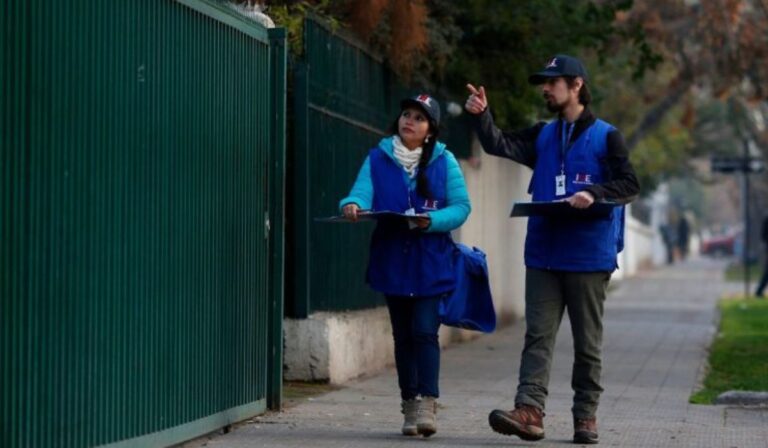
[141, 204]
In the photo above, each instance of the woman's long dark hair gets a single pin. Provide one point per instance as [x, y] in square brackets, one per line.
[427, 149]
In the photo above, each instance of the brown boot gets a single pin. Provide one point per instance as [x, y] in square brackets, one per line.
[526, 422]
[585, 430]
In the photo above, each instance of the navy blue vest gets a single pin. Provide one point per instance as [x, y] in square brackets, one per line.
[405, 262]
[580, 245]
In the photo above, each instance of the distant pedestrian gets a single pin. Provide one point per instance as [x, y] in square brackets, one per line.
[579, 159]
[764, 280]
[410, 261]
[669, 242]
[683, 236]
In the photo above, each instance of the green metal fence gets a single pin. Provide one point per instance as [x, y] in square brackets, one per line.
[141, 169]
[345, 100]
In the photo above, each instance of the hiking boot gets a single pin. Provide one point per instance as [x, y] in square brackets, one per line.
[409, 408]
[526, 422]
[585, 430]
[426, 423]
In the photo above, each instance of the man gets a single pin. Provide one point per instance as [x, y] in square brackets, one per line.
[579, 159]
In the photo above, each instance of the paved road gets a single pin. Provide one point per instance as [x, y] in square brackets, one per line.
[657, 328]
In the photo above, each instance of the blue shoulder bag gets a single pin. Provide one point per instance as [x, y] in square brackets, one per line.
[470, 305]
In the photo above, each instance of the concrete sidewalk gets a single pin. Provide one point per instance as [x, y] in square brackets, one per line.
[657, 329]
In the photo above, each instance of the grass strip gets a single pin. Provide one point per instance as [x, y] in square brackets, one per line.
[738, 358]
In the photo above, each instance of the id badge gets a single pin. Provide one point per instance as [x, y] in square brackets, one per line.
[560, 185]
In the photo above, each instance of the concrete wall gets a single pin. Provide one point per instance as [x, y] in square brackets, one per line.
[336, 347]
[660, 204]
[638, 247]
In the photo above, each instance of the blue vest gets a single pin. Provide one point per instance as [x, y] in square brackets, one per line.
[579, 245]
[405, 262]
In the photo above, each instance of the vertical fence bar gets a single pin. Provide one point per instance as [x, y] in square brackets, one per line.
[278, 62]
[298, 190]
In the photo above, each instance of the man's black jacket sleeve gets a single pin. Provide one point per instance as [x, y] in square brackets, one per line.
[622, 185]
[519, 146]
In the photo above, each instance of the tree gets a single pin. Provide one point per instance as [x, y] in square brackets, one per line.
[718, 47]
[657, 66]
[442, 44]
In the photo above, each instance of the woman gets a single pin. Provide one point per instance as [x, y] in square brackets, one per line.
[411, 260]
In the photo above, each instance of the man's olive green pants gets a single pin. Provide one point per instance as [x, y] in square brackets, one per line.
[547, 295]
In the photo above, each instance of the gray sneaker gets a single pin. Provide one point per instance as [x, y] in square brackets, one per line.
[410, 409]
[426, 423]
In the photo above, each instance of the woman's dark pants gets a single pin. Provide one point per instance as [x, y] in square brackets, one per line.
[415, 322]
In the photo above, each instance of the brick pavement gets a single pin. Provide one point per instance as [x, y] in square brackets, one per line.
[657, 328]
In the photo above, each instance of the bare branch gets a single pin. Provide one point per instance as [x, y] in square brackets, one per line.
[653, 118]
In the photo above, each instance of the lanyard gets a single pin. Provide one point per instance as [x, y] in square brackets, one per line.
[566, 138]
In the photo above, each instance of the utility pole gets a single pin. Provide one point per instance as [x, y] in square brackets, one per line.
[745, 205]
[744, 165]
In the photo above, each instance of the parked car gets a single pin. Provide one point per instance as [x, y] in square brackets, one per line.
[720, 245]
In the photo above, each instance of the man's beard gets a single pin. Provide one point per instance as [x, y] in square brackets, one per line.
[553, 106]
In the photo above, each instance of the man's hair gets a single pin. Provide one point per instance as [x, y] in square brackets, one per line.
[585, 96]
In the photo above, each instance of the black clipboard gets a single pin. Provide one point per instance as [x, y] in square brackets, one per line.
[367, 215]
[562, 209]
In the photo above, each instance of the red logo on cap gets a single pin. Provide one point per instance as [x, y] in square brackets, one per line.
[424, 99]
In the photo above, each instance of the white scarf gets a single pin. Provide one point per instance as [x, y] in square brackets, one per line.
[409, 159]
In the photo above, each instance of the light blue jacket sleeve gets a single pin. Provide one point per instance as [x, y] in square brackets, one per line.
[362, 190]
[458, 207]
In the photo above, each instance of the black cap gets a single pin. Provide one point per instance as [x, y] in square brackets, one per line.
[560, 65]
[428, 104]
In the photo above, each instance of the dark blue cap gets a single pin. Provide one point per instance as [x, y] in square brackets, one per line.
[428, 104]
[560, 65]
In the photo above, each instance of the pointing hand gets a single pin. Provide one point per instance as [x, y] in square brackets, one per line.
[477, 101]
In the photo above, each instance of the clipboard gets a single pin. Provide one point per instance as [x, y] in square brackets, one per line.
[562, 209]
[367, 215]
